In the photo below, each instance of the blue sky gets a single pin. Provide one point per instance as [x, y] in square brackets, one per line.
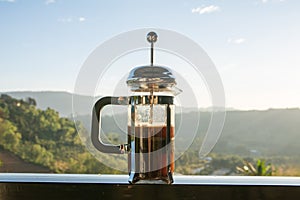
[254, 44]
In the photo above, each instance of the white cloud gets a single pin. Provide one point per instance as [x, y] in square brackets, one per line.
[236, 40]
[81, 19]
[264, 1]
[65, 20]
[206, 9]
[47, 2]
[71, 19]
[9, 1]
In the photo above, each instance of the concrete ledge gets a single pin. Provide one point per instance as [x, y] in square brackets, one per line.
[74, 186]
[123, 179]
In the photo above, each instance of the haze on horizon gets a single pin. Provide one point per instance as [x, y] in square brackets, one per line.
[254, 44]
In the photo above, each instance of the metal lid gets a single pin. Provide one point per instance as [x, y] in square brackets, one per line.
[151, 77]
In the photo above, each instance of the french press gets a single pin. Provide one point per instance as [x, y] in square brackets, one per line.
[151, 114]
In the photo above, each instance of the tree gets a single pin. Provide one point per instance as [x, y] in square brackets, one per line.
[31, 101]
[9, 137]
[49, 124]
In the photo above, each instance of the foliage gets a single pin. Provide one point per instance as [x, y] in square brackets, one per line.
[9, 136]
[260, 169]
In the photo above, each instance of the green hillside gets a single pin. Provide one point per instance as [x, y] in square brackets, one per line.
[44, 138]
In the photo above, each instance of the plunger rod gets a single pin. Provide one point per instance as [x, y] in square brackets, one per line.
[152, 45]
[152, 37]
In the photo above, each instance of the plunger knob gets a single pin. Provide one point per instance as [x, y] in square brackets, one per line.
[152, 37]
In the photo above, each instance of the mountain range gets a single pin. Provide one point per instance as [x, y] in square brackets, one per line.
[267, 132]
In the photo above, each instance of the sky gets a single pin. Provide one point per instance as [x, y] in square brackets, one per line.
[254, 44]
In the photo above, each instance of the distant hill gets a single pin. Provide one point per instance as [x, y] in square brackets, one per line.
[62, 102]
[273, 132]
[59, 101]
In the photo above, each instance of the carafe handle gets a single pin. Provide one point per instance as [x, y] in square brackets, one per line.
[96, 125]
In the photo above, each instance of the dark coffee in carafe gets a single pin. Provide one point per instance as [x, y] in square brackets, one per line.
[153, 152]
